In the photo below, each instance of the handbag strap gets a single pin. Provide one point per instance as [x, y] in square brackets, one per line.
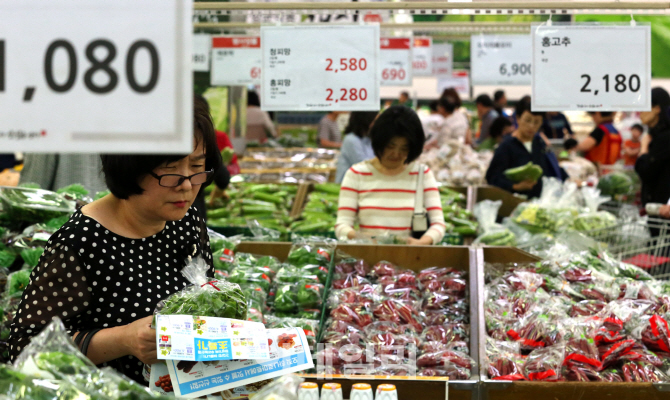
[418, 198]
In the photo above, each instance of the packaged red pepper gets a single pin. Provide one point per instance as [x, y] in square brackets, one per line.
[504, 361]
[655, 334]
[446, 333]
[544, 364]
[641, 372]
[587, 308]
[611, 354]
[349, 281]
[359, 314]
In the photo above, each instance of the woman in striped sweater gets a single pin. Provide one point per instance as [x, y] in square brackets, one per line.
[381, 192]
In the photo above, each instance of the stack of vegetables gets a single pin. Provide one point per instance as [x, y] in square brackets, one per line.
[588, 318]
[320, 212]
[269, 204]
[51, 367]
[460, 222]
[401, 314]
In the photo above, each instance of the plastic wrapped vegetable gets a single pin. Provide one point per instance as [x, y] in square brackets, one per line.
[17, 282]
[615, 183]
[544, 364]
[311, 251]
[34, 205]
[292, 274]
[491, 233]
[504, 361]
[205, 297]
[256, 276]
[530, 172]
[74, 191]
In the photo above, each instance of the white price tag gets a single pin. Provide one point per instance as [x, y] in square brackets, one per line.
[340, 61]
[591, 68]
[500, 59]
[236, 60]
[202, 45]
[96, 76]
[443, 60]
[459, 80]
[422, 54]
[395, 59]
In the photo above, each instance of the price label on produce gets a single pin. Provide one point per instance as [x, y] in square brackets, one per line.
[422, 56]
[395, 59]
[319, 68]
[96, 76]
[500, 59]
[236, 60]
[591, 68]
[459, 80]
[443, 60]
[202, 45]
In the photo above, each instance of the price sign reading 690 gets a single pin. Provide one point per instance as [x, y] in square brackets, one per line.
[104, 76]
[573, 68]
[299, 72]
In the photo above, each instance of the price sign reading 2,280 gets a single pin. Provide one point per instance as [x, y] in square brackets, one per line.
[82, 83]
[341, 76]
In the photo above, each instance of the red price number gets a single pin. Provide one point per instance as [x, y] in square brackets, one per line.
[346, 95]
[391, 74]
[423, 64]
[347, 64]
[255, 72]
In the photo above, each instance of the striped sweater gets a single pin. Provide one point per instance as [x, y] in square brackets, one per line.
[386, 203]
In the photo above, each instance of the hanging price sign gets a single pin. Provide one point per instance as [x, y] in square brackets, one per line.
[459, 80]
[500, 59]
[236, 60]
[443, 60]
[422, 54]
[395, 59]
[104, 76]
[591, 68]
[202, 45]
[319, 68]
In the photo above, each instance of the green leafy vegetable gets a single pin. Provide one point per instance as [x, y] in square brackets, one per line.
[215, 299]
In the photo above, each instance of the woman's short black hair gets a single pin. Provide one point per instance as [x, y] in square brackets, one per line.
[253, 99]
[359, 122]
[398, 121]
[123, 171]
[498, 126]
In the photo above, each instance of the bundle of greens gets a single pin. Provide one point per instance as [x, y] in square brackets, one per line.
[34, 205]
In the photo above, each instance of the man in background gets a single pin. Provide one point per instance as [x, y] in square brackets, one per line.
[500, 102]
[556, 126]
[486, 113]
[328, 134]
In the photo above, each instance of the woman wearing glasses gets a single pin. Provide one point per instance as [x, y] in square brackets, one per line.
[106, 269]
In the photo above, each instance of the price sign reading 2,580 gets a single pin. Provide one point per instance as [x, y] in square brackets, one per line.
[96, 64]
[347, 64]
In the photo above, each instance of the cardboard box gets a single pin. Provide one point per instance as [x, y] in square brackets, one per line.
[509, 200]
[521, 390]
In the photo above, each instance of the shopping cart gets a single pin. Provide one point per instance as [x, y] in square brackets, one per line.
[644, 242]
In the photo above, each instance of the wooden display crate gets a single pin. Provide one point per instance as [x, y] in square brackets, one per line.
[509, 200]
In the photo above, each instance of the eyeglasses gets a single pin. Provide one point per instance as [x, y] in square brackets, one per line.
[174, 180]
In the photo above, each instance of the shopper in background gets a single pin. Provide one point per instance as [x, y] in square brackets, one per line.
[556, 126]
[603, 145]
[259, 124]
[53, 171]
[653, 164]
[356, 146]
[631, 147]
[453, 127]
[525, 100]
[522, 146]
[486, 113]
[381, 193]
[119, 256]
[432, 124]
[328, 134]
[500, 129]
[459, 113]
[500, 102]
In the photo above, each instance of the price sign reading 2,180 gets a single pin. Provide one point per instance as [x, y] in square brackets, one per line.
[620, 83]
[97, 65]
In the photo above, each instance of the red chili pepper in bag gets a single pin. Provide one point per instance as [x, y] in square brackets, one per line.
[611, 354]
[656, 336]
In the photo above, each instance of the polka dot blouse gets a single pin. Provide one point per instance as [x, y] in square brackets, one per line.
[92, 278]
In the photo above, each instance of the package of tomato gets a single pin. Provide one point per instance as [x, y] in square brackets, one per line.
[544, 364]
[402, 312]
[446, 333]
[359, 314]
[458, 312]
[359, 295]
[504, 361]
[403, 345]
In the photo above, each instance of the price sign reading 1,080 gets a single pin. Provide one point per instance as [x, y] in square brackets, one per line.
[97, 65]
[346, 64]
[346, 95]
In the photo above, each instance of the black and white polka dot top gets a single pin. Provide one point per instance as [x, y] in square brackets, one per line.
[92, 278]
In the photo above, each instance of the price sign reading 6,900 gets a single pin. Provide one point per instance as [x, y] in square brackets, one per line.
[568, 74]
[82, 83]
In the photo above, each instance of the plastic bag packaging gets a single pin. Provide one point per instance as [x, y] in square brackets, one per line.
[399, 312]
[359, 314]
[349, 281]
[32, 256]
[383, 268]
[262, 233]
[447, 333]
[311, 251]
[492, 233]
[223, 250]
[544, 364]
[504, 360]
[346, 265]
[256, 302]
[205, 297]
[289, 298]
[359, 295]
[582, 360]
[52, 355]
[251, 275]
[34, 205]
[641, 372]
[292, 274]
